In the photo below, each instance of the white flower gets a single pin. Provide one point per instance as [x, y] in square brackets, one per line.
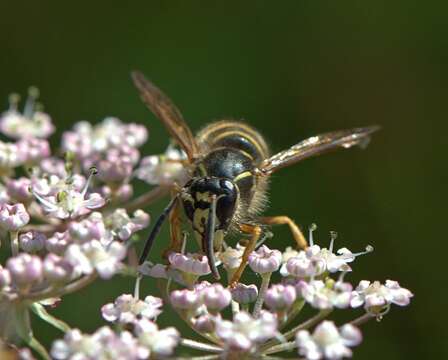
[128, 309]
[124, 226]
[9, 156]
[70, 202]
[158, 342]
[76, 344]
[322, 295]
[376, 295]
[245, 332]
[163, 169]
[231, 257]
[315, 261]
[54, 184]
[31, 123]
[104, 344]
[327, 341]
[106, 260]
[86, 140]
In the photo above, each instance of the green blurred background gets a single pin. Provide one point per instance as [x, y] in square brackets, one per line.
[292, 69]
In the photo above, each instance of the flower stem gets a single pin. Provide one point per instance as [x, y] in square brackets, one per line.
[137, 286]
[40, 311]
[193, 344]
[305, 325]
[147, 198]
[64, 290]
[295, 310]
[362, 319]
[281, 347]
[265, 279]
[235, 308]
[39, 348]
[14, 238]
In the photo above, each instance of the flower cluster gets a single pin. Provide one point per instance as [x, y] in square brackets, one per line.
[67, 220]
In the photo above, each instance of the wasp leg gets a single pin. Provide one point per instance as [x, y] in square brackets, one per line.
[285, 220]
[255, 231]
[176, 238]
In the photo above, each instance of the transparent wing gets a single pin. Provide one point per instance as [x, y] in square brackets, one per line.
[167, 112]
[317, 145]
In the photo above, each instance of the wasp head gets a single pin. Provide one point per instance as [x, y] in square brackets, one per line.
[210, 204]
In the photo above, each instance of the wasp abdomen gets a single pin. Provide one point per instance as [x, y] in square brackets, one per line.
[234, 135]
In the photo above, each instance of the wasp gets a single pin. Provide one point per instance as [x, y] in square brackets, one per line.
[229, 165]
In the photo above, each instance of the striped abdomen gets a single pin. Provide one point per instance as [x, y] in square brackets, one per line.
[234, 135]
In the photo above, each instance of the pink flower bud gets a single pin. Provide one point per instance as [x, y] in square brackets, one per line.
[19, 189]
[53, 166]
[185, 299]
[13, 217]
[204, 324]
[115, 169]
[57, 269]
[201, 285]
[88, 229]
[216, 297]
[33, 149]
[244, 294]
[32, 242]
[190, 263]
[58, 242]
[280, 297]
[122, 193]
[265, 260]
[25, 269]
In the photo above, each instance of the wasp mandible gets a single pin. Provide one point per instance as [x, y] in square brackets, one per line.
[229, 165]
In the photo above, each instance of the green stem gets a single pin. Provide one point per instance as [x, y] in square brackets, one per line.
[265, 279]
[24, 331]
[147, 198]
[137, 286]
[193, 344]
[295, 310]
[305, 325]
[362, 319]
[72, 287]
[235, 308]
[40, 311]
[281, 347]
[39, 348]
[14, 238]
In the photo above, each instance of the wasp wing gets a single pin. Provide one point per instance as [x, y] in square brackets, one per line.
[317, 145]
[167, 112]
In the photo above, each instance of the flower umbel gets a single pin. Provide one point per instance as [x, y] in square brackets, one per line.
[68, 228]
[328, 342]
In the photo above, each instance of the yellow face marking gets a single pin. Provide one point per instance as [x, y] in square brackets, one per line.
[200, 217]
[203, 196]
